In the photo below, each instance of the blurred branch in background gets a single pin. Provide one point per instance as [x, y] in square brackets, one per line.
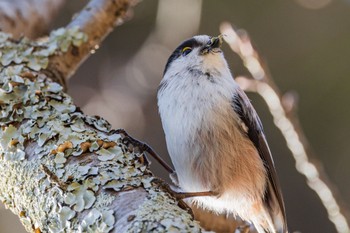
[28, 17]
[282, 109]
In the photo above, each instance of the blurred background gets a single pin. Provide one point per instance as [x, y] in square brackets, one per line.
[306, 44]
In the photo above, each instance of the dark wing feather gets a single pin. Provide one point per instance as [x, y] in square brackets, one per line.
[249, 117]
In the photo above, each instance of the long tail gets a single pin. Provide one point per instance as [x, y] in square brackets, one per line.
[272, 217]
[265, 223]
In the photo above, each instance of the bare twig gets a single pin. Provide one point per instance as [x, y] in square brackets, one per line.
[287, 122]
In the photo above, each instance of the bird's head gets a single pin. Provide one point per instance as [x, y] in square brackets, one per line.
[200, 54]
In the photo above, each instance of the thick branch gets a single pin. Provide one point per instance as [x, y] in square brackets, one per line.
[96, 20]
[27, 17]
[63, 171]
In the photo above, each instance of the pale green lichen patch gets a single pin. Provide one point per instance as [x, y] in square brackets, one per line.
[103, 200]
[66, 214]
[12, 142]
[81, 196]
[7, 135]
[98, 220]
[159, 213]
[62, 38]
[110, 154]
[35, 54]
[60, 159]
[25, 190]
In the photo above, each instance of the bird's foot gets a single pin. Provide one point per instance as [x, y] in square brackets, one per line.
[179, 196]
[143, 147]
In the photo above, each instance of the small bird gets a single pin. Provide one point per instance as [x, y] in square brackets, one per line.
[215, 138]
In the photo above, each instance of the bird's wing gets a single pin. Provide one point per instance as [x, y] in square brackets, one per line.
[249, 117]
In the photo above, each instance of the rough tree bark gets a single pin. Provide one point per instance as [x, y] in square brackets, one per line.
[61, 170]
[27, 17]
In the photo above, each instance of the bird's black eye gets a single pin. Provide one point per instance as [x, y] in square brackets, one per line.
[186, 51]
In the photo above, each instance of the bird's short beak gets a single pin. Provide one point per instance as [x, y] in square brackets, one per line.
[216, 42]
[213, 45]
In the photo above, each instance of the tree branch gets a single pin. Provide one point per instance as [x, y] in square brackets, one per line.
[96, 21]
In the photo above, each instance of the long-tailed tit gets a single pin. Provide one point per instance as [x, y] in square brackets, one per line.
[215, 137]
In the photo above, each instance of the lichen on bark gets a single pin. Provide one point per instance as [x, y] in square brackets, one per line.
[61, 170]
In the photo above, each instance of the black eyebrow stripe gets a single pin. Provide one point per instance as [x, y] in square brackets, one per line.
[189, 43]
[177, 52]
